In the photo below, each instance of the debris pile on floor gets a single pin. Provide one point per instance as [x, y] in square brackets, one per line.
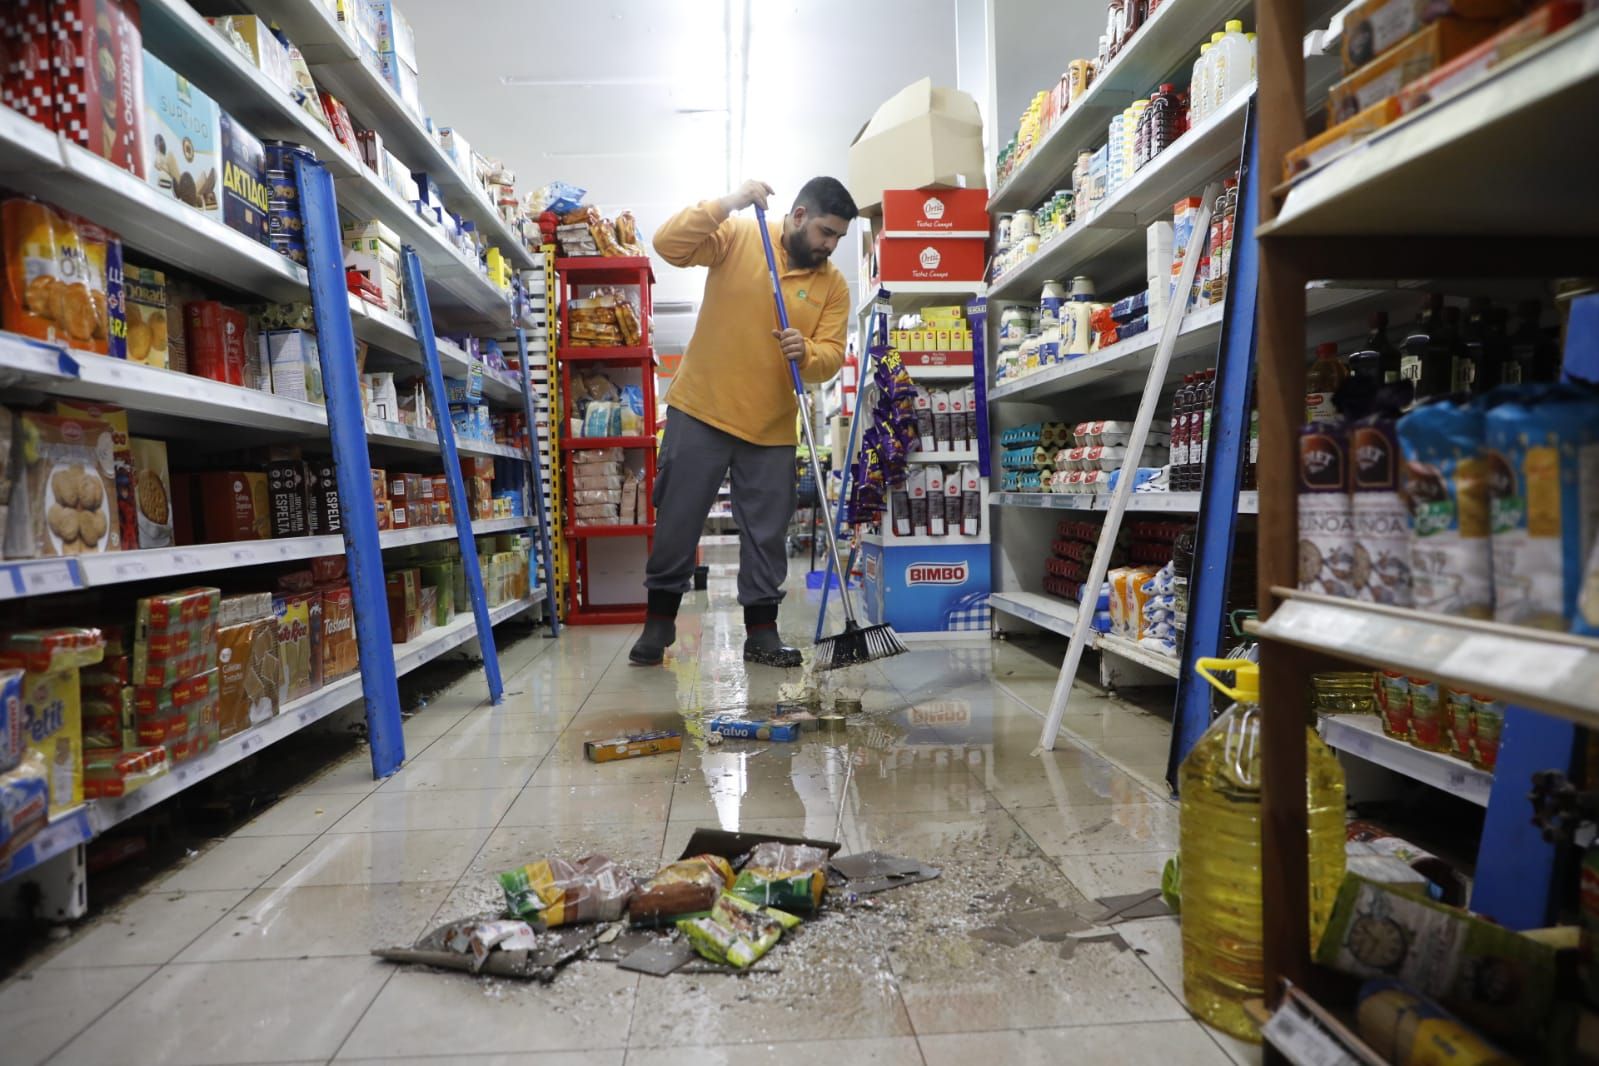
[728, 900]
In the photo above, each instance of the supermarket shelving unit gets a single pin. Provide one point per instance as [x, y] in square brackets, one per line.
[174, 405]
[1422, 198]
[1106, 243]
[587, 561]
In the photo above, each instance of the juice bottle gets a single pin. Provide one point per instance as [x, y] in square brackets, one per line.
[1220, 852]
[1322, 381]
[1197, 85]
[1230, 65]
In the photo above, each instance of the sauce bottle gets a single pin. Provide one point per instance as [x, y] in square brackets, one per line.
[1321, 383]
[1161, 119]
[1419, 362]
[1198, 478]
[1181, 404]
[1462, 369]
[1534, 357]
[1377, 359]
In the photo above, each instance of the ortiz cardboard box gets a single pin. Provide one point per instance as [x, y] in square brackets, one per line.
[935, 212]
[920, 136]
[936, 259]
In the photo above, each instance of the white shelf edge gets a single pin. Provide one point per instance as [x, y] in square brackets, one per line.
[1046, 611]
[1187, 502]
[1132, 651]
[962, 456]
[1361, 735]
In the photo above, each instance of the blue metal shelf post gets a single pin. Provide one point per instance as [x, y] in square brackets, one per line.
[341, 381]
[416, 295]
[1211, 572]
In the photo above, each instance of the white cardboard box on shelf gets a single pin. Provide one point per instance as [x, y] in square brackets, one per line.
[921, 136]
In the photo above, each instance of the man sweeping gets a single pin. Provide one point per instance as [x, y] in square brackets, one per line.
[732, 405]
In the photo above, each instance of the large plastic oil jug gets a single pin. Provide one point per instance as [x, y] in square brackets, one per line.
[1220, 852]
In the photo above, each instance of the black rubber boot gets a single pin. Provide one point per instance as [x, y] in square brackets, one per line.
[660, 629]
[762, 644]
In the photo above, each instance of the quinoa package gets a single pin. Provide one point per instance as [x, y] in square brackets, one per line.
[688, 886]
[791, 877]
[737, 932]
[1446, 490]
[1543, 486]
[559, 892]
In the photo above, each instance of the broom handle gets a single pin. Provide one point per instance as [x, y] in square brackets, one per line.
[805, 422]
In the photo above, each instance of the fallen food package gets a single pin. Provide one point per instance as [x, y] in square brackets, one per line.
[560, 892]
[732, 846]
[632, 746]
[791, 877]
[742, 729]
[688, 886]
[737, 932]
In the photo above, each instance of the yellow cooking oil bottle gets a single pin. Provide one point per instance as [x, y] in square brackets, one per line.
[1220, 854]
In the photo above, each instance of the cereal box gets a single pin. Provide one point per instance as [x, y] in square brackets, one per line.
[183, 137]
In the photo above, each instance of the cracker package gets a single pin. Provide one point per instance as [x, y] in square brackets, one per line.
[299, 619]
[340, 655]
[117, 419]
[51, 703]
[688, 886]
[64, 495]
[144, 307]
[244, 188]
[736, 932]
[11, 726]
[175, 636]
[249, 673]
[559, 892]
[50, 294]
[152, 493]
[24, 803]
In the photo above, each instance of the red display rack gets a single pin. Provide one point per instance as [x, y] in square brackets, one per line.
[587, 599]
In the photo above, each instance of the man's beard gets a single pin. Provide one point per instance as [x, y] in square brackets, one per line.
[800, 254]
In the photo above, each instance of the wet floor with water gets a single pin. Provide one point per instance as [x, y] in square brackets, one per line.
[255, 950]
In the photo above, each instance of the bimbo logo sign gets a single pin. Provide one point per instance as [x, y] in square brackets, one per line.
[935, 574]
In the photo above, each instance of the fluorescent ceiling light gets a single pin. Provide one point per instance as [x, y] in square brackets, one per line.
[522, 81]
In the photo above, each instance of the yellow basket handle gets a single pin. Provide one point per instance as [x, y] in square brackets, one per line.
[1203, 668]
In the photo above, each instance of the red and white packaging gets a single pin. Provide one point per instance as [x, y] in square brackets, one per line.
[934, 259]
[27, 80]
[935, 213]
[97, 62]
[216, 334]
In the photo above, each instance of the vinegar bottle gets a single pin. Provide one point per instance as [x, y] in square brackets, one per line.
[1197, 94]
[1219, 852]
[1179, 420]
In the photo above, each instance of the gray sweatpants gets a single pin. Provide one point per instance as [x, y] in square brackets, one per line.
[694, 458]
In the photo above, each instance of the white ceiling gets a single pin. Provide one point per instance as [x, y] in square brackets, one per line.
[602, 87]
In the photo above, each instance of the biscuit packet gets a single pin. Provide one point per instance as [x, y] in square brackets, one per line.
[117, 418]
[64, 497]
[560, 892]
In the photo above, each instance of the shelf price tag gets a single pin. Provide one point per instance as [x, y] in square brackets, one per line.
[41, 578]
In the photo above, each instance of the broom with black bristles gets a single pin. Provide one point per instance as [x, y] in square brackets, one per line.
[857, 644]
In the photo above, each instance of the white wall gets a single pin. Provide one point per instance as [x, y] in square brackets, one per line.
[1034, 41]
[632, 69]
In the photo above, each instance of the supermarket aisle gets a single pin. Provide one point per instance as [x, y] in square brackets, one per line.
[256, 950]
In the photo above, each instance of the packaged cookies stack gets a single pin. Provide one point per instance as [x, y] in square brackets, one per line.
[597, 478]
[248, 669]
[605, 320]
[51, 705]
[115, 760]
[64, 496]
[174, 671]
[57, 270]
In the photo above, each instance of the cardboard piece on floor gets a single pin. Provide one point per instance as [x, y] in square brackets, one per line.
[620, 947]
[869, 864]
[1003, 935]
[873, 885]
[731, 846]
[1049, 924]
[566, 944]
[658, 960]
[1132, 906]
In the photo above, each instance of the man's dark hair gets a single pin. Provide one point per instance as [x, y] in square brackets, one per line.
[827, 196]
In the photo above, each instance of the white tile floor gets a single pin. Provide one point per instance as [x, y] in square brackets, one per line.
[257, 949]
